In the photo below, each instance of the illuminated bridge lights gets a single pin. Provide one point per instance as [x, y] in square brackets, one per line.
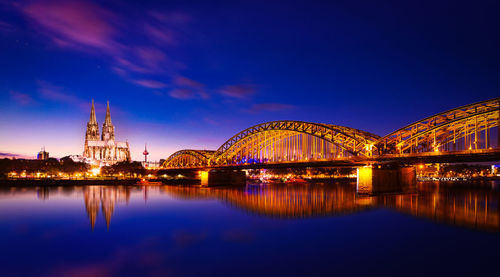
[188, 158]
[467, 128]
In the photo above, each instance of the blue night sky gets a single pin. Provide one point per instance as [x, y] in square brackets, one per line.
[190, 74]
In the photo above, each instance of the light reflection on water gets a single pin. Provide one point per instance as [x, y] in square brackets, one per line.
[183, 221]
[476, 208]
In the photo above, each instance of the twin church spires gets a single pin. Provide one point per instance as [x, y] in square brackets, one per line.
[108, 130]
[104, 149]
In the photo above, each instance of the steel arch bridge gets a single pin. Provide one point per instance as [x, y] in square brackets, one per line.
[466, 128]
[279, 141]
[189, 158]
[463, 128]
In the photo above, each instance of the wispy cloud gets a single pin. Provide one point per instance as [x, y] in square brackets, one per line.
[182, 93]
[21, 98]
[270, 107]
[60, 94]
[91, 28]
[55, 93]
[160, 34]
[186, 82]
[98, 30]
[74, 24]
[150, 83]
[188, 89]
[151, 58]
[165, 28]
[241, 91]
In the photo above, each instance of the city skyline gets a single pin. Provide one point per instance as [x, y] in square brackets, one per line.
[191, 76]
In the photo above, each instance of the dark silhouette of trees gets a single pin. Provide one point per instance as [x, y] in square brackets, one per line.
[125, 168]
[50, 166]
[70, 167]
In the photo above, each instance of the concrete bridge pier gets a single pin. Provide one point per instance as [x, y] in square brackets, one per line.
[215, 177]
[372, 180]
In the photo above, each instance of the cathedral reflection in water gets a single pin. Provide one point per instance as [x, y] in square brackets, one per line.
[105, 198]
[472, 208]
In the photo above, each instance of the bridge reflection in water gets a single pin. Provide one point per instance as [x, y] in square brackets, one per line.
[477, 208]
[473, 208]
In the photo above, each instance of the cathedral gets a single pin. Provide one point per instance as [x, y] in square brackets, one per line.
[104, 149]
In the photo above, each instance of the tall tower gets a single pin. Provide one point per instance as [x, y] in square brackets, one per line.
[92, 126]
[145, 153]
[108, 130]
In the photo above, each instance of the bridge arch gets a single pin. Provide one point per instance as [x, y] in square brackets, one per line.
[188, 158]
[464, 128]
[289, 140]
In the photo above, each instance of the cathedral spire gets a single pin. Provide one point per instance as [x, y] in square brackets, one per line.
[92, 132]
[108, 130]
[92, 119]
[107, 121]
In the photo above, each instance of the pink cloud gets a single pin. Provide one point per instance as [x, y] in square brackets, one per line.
[51, 92]
[151, 56]
[125, 65]
[89, 27]
[186, 82]
[270, 107]
[85, 26]
[21, 98]
[164, 29]
[150, 83]
[182, 93]
[238, 91]
[146, 60]
[75, 24]
[55, 93]
[188, 89]
[203, 94]
[160, 34]
[120, 71]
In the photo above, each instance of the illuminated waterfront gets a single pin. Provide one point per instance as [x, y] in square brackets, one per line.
[280, 228]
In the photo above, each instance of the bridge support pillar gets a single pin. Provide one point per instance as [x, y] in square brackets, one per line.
[381, 180]
[223, 178]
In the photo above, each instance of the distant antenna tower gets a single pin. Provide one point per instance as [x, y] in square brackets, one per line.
[145, 153]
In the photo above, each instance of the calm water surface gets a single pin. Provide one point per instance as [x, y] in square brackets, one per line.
[259, 230]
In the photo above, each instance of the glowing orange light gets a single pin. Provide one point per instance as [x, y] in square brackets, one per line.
[96, 171]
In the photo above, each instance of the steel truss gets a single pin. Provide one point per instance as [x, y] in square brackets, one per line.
[188, 158]
[464, 128]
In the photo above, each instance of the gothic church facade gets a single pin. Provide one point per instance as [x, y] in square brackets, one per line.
[104, 149]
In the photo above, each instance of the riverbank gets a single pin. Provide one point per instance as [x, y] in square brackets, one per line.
[68, 182]
[48, 182]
